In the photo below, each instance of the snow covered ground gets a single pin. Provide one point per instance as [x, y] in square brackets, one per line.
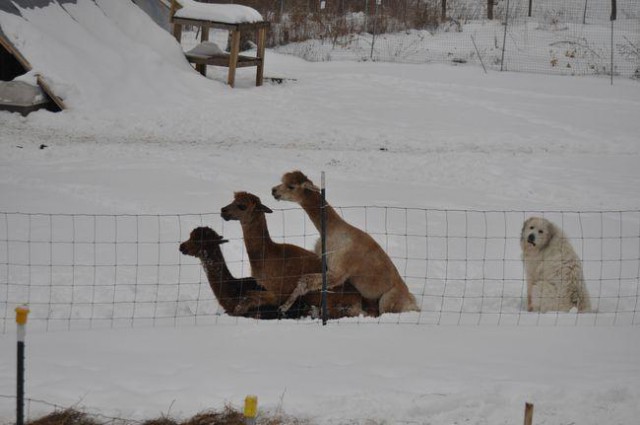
[149, 136]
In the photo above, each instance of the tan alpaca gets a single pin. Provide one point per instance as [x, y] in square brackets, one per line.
[278, 267]
[351, 253]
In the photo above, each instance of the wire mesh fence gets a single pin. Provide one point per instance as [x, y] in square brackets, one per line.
[464, 267]
[571, 37]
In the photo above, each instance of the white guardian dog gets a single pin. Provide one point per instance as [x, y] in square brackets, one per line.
[553, 270]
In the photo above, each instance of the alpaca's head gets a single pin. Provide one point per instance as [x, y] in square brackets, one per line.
[245, 207]
[294, 187]
[200, 242]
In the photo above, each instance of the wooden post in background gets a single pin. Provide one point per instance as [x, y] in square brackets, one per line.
[528, 414]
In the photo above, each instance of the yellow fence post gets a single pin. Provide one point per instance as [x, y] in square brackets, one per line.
[250, 409]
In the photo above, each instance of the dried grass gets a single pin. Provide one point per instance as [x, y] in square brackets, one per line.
[227, 416]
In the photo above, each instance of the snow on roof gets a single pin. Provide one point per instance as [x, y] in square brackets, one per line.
[227, 13]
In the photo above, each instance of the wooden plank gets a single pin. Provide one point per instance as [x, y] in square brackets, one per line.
[9, 47]
[223, 60]
[220, 25]
[233, 58]
[204, 36]
[262, 41]
[47, 89]
[177, 32]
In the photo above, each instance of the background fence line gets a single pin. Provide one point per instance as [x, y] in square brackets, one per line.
[81, 271]
[572, 37]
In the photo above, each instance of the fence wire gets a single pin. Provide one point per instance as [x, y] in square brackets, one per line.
[79, 271]
[569, 37]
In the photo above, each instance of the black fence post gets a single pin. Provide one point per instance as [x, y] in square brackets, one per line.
[614, 15]
[504, 39]
[490, 9]
[21, 319]
[323, 238]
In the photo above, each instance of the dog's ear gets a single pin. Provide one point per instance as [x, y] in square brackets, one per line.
[552, 231]
[264, 209]
[524, 227]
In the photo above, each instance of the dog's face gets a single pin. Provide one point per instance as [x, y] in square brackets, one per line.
[536, 234]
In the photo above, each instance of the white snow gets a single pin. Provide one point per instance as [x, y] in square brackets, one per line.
[227, 13]
[145, 134]
[206, 48]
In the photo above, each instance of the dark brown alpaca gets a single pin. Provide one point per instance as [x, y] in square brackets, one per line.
[278, 267]
[204, 243]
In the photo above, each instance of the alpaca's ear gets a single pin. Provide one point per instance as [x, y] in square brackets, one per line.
[310, 186]
[221, 241]
[264, 209]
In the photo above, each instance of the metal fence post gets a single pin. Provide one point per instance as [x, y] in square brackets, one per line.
[21, 319]
[504, 39]
[323, 238]
[614, 14]
[375, 21]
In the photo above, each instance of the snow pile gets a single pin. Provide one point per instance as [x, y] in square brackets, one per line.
[206, 48]
[227, 13]
[99, 55]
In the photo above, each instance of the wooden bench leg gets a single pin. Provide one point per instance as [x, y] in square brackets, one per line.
[204, 36]
[233, 57]
[262, 41]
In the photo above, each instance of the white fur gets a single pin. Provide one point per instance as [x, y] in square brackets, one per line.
[553, 270]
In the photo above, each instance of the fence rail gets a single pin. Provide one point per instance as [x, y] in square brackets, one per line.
[81, 271]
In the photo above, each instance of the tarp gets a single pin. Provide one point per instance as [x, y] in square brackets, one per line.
[158, 10]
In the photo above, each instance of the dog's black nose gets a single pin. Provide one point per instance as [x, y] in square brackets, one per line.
[531, 238]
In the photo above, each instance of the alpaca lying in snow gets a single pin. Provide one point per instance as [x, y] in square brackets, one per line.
[278, 267]
[204, 243]
[351, 253]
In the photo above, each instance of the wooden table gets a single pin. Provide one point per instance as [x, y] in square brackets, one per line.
[233, 59]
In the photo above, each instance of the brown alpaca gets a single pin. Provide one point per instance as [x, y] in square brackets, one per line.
[278, 267]
[351, 253]
[204, 243]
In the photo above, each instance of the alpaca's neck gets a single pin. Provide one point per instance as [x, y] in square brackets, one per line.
[312, 204]
[217, 272]
[256, 237]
